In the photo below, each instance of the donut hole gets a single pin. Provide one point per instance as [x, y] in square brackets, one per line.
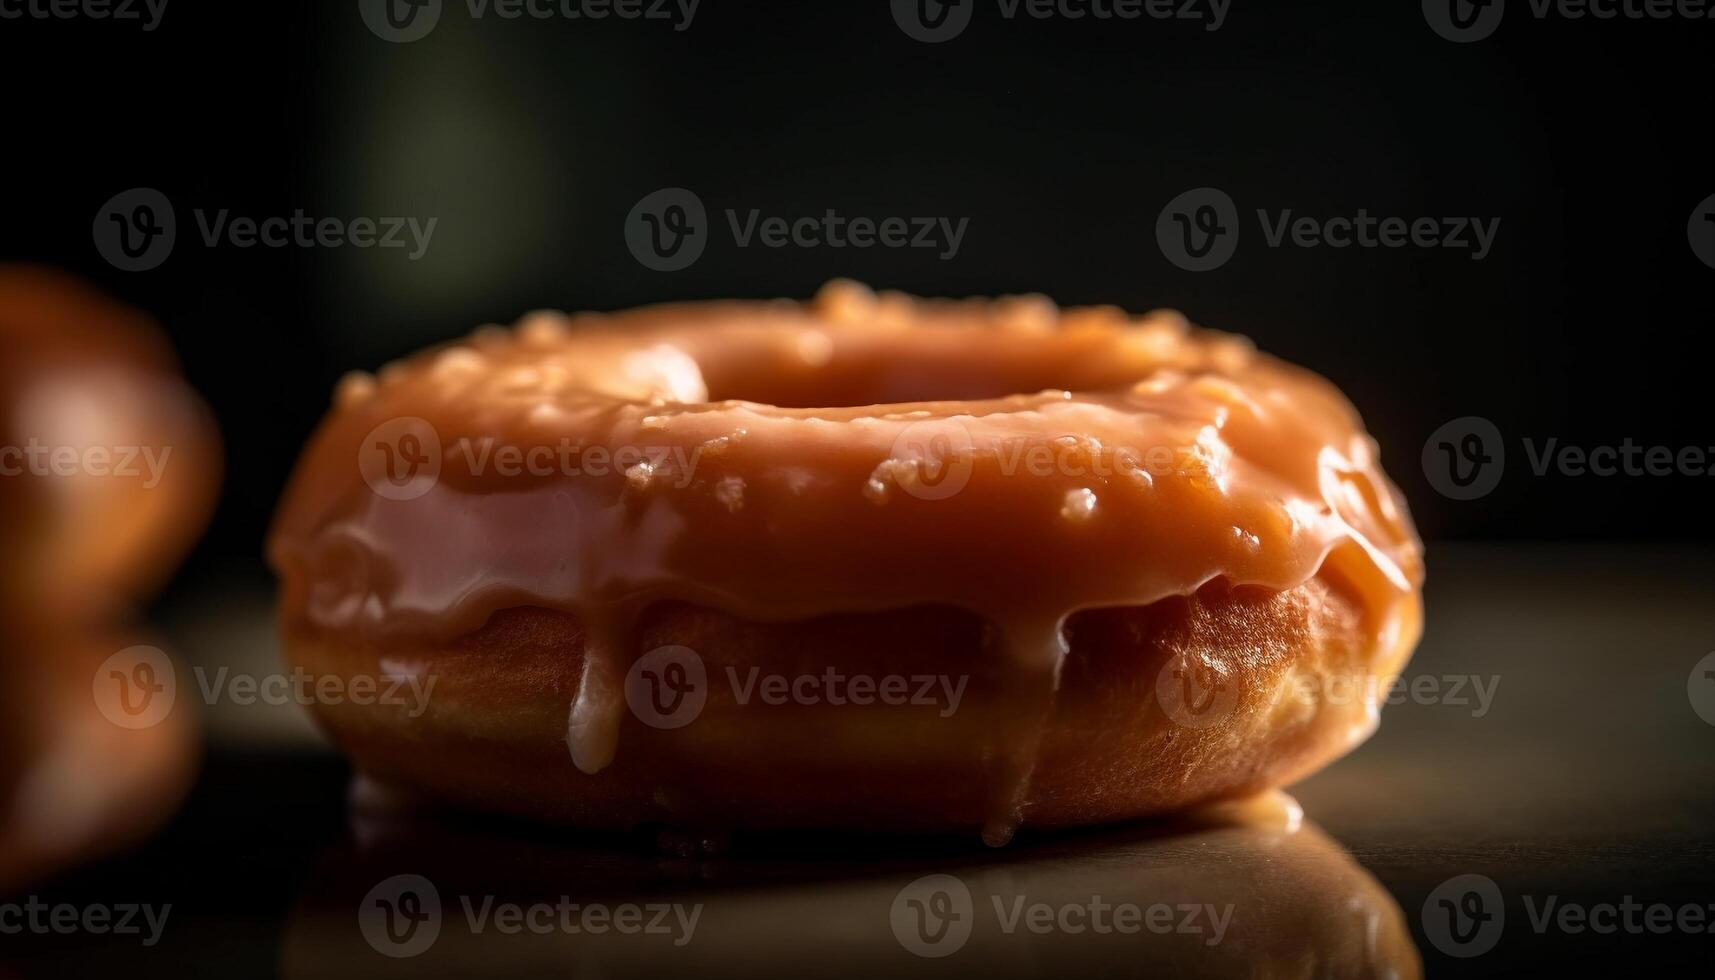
[855, 386]
[854, 372]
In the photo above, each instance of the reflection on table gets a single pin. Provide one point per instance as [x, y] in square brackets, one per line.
[1247, 890]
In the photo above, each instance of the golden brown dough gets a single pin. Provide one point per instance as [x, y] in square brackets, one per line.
[1101, 525]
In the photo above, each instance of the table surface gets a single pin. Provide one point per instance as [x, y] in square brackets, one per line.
[1548, 739]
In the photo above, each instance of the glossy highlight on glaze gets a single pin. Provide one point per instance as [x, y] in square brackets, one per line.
[1003, 457]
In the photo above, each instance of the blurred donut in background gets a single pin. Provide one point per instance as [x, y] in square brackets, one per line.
[117, 461]
[109, 466]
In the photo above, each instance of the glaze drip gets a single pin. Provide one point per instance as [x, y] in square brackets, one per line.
[1035, 652]
[592, 728]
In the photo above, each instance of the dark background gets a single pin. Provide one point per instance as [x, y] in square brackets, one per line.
[530, 141]
[1061, 141]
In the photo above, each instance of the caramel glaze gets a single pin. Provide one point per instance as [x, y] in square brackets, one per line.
[779, 513]
[78, 370]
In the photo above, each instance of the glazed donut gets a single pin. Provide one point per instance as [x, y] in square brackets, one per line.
[90, 530]
[85, 373]
[1107, 567]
